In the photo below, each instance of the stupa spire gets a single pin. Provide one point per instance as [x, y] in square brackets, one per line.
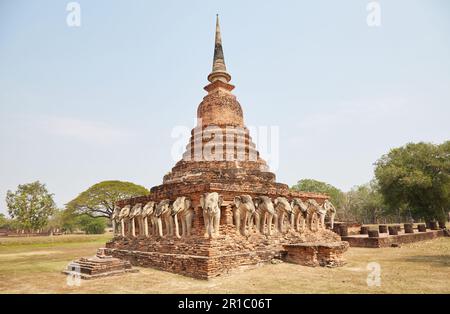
[219, 70]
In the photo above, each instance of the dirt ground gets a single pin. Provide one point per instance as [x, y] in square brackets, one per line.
[34, 265]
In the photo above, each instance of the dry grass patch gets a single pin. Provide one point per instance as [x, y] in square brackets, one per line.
[35, 267]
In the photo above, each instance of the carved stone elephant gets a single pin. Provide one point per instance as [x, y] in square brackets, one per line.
[115, 220]
[331, 210]
[163, 213]
[148, 218]
[123, 216]
[300, 212]
[316, 213]
[210, 203]
[182, 208]
[283, 210]
[243, 213]
[134, 217]
[264, 214]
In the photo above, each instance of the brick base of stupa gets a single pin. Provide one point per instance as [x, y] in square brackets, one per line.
[204, 258]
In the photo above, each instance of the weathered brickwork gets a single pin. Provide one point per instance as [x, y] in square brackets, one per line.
[316, 254]
[387, 240]
[206, 258]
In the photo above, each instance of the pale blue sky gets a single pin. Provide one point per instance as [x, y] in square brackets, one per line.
[82, 105]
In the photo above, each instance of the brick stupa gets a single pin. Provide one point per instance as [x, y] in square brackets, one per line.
[235, 169]
[232, 170]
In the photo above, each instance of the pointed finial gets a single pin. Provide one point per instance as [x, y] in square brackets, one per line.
[219, 70]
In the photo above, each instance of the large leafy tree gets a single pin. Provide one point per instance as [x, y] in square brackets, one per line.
[417, 177]
[31, 205]
[337, 197]
[99, 200]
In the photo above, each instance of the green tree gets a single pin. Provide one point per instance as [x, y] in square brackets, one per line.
[31, 205]
[337, 197]
[364, 203]
[416, 177]
[99, 200]
[3, 221]
[92, 225]
[62, 220]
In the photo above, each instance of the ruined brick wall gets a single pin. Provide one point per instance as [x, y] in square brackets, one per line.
[206, 258]
[387, 241]
[316, 254]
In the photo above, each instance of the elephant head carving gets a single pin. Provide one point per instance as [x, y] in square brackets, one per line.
[300, 212]
[210, 203]
[264, 214]
[147, 214]
[244, 209]
[331, 210]
[123, 215]
[182, 208]
[135, 216]
[163, 213]
[283, 209]
[148, 209]
[315, 212]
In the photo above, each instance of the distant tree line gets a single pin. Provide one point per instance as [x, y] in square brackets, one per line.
[32, 209]
[412, 183]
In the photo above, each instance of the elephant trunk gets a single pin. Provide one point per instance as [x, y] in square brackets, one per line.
[332, 220]
[146, 226]
[160, 230]
[177, 230]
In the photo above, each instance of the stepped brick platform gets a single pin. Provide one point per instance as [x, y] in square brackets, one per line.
[386, 240]
[100, 265]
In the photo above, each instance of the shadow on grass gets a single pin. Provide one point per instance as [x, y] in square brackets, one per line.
[437, 260]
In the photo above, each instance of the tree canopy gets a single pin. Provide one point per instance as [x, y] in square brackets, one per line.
[31, 205]
[91, 225]
[99, 200]
[310, 185]
[417, 177]
[364, 203]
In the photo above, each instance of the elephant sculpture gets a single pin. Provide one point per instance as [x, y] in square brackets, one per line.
[115, 220]
[283, 209]
[182, 208]
[243, 212]
[210, 203]
[316, 213]
[300, 212]
[123, 215]
[329, 208]
[147, 214]
[264, 214]
[134, 216]
[163, 212]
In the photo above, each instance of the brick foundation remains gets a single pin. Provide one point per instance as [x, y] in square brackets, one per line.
[385, 240]
[316, 254]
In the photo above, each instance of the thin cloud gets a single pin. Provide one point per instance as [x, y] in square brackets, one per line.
[95, 132]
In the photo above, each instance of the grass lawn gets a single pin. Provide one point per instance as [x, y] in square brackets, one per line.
[33, 265]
